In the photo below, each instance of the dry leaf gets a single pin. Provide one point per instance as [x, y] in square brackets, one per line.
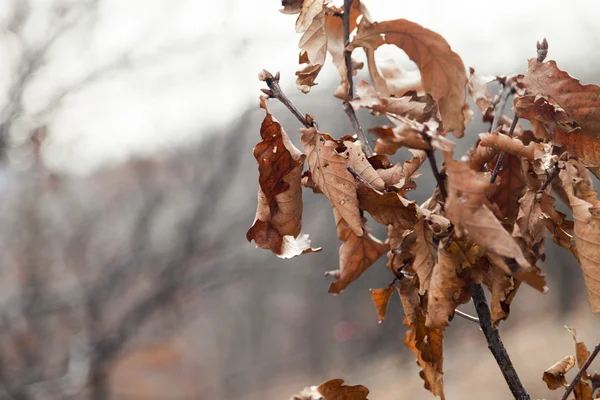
[447, 288]
[278, 218]
[583, 391]
[387, 208]
[306, 77]
[502, 287]
[512, 145]
[308, 393]
[357, 253]
[425, 343]
[585, 145]
[477, 90]
[329, 173]
[381, 298]
[359, 162]
[442, 71]
[581, 351]
[580, 102]
[467, 191]
[509, 190]
[291, 6]
[555, 375]
[587, 234]
[537, 107]
[336, 390]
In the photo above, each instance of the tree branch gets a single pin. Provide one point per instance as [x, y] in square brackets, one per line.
[276, 92]
[466, 316]
[499, 109]
[348, 61]
[495, 344]
[581, 371]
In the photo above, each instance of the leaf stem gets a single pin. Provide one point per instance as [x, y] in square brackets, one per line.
[581, 372]
[495, 344]
[501, 156]
[466, 316]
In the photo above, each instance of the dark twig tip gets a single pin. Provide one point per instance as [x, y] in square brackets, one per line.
[542, 50]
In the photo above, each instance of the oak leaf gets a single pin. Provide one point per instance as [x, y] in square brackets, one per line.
[425, 343]
[381, 298]
[503, 287]
[584, 145]
[465, 208]
[291, 6]
[477, 90]
[278, 220]
[514, 146]
[537, 107]
[361, 165]
[509, 190]
[442, 70]
[329, 173]
[387, 208]
[581, 351]
[586, 232]
[336, 390]
[555, 375]
[357, 253]
[411, 134]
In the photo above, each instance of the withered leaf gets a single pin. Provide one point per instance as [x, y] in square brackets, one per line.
[278, 220]
[585, 145]
[509, 189]
[477, 90]
[583, 391]
[291, 6]
[580, 102]
[425, 343]
[555, 375]
[466, 209]
[381, 298]
[537, 107]
[503, 287]
[359, 162]
[512, 146]
[306, 77]
[447, 288]
[587, 234]
[330, 174]
[357, 253]
[336, 390]
[387, 208]
[581, 351]
[442, 70]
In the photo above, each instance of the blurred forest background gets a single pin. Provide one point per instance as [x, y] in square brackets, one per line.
[127, 184]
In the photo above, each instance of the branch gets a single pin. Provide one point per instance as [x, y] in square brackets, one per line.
[495, 344]
[275, 91]
[436, 173]
[348, 61]
[501, 156]
[466, 316]
[499, 109]
[581, 371]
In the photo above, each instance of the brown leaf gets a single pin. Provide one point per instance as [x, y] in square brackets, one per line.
[512, 146]
[414, 253]
[447, 288]
[425, 343]
[387, 208]
[306, 77]
[418, 108]
[329, 172]
[442, 71]
[336, 390]
[584, 145]
[291, 6]
[308, 393]
[381, 298]
[278, 218]
[580, 102]
[477, 90]
[530, 227]
[502, 287]
[411, 134]
[581, 351]
[537, 107]
[583, 391]
[555, 375]
[357, 253]
[587, 234]
[467, 191]
[509, 189]
[359, 162]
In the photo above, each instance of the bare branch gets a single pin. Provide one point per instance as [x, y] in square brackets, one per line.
[466, 316]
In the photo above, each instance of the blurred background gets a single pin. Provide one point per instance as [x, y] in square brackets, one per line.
[127, 184]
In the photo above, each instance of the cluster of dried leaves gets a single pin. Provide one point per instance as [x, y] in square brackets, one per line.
[487, 220]
[584, 385]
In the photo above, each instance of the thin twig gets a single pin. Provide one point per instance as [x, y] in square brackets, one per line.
[276, 92]
[466, 316]
[356, 175]
[551, 175]
[495, 344]
[436, 173]
[499, 109]
[496, 170]
[348, 61]
[581, 371]
[357, 129]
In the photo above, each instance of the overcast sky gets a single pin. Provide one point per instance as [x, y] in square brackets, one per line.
[193, 64]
